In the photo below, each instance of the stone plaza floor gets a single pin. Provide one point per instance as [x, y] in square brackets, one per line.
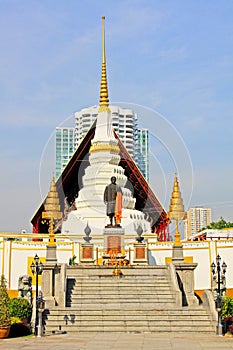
[119, 341]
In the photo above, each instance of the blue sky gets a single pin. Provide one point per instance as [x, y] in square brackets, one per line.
[172, 57]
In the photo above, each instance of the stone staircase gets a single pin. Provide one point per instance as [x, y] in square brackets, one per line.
[143, 299]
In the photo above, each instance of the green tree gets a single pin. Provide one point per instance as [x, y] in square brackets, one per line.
[5, 319]
[218, 225]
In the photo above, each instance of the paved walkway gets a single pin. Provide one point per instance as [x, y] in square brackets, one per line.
[118, 341]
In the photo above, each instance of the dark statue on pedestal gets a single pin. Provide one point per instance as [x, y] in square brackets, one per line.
[113, 200]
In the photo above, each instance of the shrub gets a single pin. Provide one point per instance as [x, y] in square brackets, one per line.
[15, 320]
[227, 308]
[5, 319]
[21, 308]
[72, 260]
[19, 329]
[227, 324]
[227, 314]
[230, 328]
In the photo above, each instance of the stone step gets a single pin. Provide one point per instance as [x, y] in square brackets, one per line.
[122, 281]
[142, 300]
[120, 291]
[112, 299]
[125, 274]
[140, 328]
[139, 294]
[66, 318]
[112, 277]
[107, 272]
[125, 323]
[134, 322]
[121, 305]
[119, 278]
[132, 286]
[113, 295]
[122, 288]
[170, 311]
[123, 278]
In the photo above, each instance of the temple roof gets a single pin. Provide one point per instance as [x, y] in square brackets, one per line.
[69, 184]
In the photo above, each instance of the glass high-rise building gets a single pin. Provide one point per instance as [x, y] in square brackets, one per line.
[64, 148]
[143, 152]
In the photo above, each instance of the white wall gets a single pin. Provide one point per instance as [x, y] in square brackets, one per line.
[14, 257]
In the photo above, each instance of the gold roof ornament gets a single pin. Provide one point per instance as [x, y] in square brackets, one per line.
[176, 208]
[52, 206]
[52, 210]
[104, 101]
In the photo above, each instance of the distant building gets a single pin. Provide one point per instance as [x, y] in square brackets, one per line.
[197, 218]
[143, 152]
[213, 235]
[64, 148]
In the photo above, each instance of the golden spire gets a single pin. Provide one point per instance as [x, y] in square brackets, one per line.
[104, 102]
[176, 208]
[52, 209]
[52, 206]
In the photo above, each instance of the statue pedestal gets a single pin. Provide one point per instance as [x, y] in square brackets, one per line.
[49, 276]
[140, 254]
[114, 240]
[54, 284]
[51, 254]
[48, 284]
[87, 253]
[177, 253]
[185, 277]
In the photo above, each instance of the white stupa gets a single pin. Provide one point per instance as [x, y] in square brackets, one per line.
[104, 157]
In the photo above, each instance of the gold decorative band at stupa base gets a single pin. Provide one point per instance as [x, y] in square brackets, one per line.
[104, 147]
[104, 108]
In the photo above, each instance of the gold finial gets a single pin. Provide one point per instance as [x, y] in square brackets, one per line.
[176, 208]
[52, 209]
[52, 206]
[104, 101]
